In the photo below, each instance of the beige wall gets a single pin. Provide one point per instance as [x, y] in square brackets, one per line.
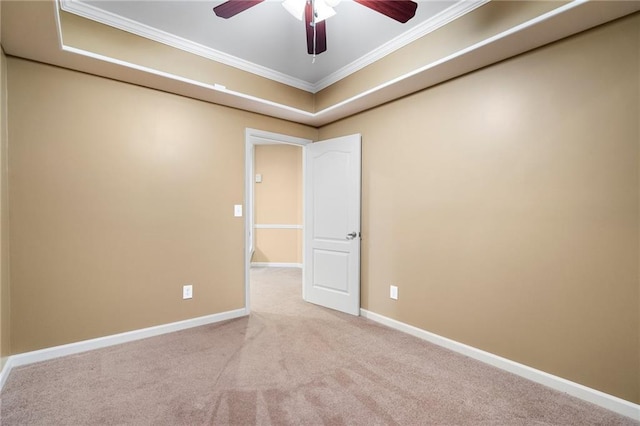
[504, 204]
[5, 331]
[94, 37]
[119, 196]
[482, 23]
[278, 246]
[5, 307]
[278, 201]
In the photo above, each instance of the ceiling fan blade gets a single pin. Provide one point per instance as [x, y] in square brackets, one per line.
[232, 7]
[400, 10]
[320, 42]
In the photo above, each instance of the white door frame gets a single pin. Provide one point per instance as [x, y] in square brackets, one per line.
[255, 137]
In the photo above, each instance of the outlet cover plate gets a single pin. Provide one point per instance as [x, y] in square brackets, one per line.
[393, 292]
[187, 291]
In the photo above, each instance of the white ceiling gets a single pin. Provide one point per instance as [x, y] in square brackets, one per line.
[267, 40]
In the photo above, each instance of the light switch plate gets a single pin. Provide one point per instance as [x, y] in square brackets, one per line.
[258, 178]
[237, 210]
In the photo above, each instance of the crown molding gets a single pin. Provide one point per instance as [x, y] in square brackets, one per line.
[104, 17]
[567, 19]
[451, 13]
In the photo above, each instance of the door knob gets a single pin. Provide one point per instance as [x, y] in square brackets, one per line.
[352, 235]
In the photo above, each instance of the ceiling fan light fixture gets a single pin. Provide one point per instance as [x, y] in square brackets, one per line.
[295, 8]
[322, 7]
[323, 10]
[314, 13]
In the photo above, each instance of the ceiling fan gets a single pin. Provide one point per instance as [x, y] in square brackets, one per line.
[315, 12]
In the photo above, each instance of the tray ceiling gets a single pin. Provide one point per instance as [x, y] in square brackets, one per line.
[266, 40]
[40, 31]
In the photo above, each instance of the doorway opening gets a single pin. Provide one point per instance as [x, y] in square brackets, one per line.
[274, 198]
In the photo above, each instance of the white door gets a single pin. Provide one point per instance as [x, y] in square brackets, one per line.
[332, 224]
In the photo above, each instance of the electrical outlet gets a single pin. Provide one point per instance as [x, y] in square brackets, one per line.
[187, 291]
[393, 292]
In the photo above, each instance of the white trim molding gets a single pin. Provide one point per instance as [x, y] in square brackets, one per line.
[276, 226]
[102, 16]
[115, 339]
[114, 20]
[4, 373]
[572, 17]
[577, 390]
[275, 265]
[450, 14]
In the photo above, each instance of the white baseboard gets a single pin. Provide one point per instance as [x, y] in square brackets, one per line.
[577, 390]
[4, 373]
[585, 393]
[275, 265]
[115, 339]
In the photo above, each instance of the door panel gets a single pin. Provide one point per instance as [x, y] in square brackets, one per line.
[332, 224]
[331, 270]
[331, 195]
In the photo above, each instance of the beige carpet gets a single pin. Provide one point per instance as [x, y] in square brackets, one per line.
[288, 363]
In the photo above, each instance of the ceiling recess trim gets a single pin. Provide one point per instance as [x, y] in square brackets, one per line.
[453, 12]
[212, 87]
[104, 17]
[532, 33]
[233, 98]
[449, 14]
